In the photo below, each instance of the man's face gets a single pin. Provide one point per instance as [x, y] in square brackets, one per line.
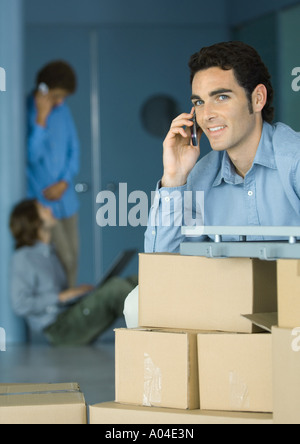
[58, 96]
[46, 216]
[222, 109]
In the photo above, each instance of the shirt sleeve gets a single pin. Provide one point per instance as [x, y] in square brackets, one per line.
[297, 179]
[172, 209]
[72, 165]
[26, 299]
[36, 143]
[163, 232]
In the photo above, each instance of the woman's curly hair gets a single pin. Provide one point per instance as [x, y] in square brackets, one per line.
[58, 74]
[247, 65]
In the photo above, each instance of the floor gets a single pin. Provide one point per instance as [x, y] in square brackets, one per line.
[92, 367]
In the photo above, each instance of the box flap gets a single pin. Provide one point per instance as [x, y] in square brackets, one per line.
[19, 389]
[114, 413]
[263, 320]
[40, 394]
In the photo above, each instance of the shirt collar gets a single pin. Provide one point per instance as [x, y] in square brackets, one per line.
[265, 153]
[264, 156]
[44, 249]
[227, 172]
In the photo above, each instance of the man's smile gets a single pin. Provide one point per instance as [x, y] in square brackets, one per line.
[216, 130]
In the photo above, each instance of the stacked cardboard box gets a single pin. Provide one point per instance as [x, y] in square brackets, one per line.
[196, 360]
[115, 413]
[286, 345]
[157, 368]
[42, 404]
[194, 352]
[188, 292]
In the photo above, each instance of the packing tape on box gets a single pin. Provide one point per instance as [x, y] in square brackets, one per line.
[152, 383]
[48, 392]
[239, 393]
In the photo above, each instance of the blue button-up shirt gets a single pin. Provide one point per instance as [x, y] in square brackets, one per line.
[37, 279]
[269, 195]
[53, 156]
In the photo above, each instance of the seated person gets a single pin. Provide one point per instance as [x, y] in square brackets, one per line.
[252, 176]
[39, 288]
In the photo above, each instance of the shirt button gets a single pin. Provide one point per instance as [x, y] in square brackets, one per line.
[167, 199]
[153, 233]
[250, 193]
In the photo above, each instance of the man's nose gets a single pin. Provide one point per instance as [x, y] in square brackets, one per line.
[209, 112]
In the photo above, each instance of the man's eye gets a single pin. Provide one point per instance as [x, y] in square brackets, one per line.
[198, 103]
[223, 97]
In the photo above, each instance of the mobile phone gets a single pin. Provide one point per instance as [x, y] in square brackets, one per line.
[43, 88]
[195, 128]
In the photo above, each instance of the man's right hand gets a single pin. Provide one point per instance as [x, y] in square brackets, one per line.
[180, 156]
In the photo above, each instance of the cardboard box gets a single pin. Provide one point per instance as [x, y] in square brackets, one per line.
[286, 368]
[286, 373]
[288, 272]
[113, 413]
[157, 368]
[235, 372]
[198, 293]
[42, 404]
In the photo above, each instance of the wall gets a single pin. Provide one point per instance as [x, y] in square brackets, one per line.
[92, 12]
[240, 11]
[12, 161]
[137, 50]
[289, 34]
[14, 14]
[273, 29]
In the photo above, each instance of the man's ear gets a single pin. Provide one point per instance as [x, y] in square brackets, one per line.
[259, 98]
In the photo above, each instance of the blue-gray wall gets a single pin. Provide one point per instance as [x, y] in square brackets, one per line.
[241, 11]
[12, 157]
[210, 19]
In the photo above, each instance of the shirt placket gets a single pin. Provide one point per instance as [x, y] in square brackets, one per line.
[250, 198]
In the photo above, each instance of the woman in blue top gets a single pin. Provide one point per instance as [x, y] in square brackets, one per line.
[53, 157]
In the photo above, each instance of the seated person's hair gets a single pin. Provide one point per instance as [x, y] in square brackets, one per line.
[25, 223]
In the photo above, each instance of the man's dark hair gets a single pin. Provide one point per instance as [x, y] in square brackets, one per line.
[58, 74]
[25, 223]
[247, 65]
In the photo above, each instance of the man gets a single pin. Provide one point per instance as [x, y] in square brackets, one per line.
[252, 176]
[39, 288]
[53, 157]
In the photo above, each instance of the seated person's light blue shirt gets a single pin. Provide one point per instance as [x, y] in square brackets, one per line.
[53, 156]
[269, 195]
[37, 279]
